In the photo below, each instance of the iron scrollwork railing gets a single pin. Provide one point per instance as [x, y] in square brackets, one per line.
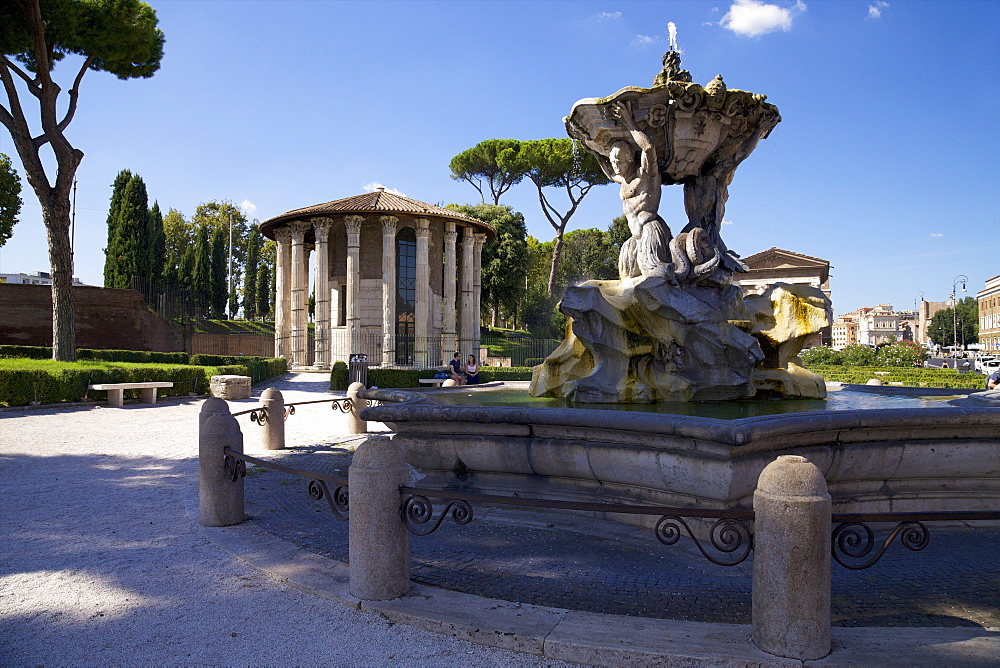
[730, 535]
[853, 541]
[258, 414]
[338, 501]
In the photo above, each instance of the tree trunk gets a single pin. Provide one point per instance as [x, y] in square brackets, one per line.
[56, 214]
[556, 252]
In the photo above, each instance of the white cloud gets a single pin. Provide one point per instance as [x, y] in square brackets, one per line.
[726, 222]
[369, 187]
[936, 234]
[248, 206]
[645, 40]
[753, 18]
[606, 16]
[875, 11]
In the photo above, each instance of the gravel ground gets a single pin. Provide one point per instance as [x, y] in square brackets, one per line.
[102, 561]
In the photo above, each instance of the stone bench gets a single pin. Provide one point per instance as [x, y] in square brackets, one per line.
[230, 387]
[116, 391]
[433, 381]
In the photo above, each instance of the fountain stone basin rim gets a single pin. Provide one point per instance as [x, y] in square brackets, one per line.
[898, 460]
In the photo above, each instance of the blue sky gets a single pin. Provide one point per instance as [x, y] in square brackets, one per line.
[885, 162]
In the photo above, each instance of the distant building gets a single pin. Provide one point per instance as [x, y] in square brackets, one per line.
[925, 313]
[844, 332]
[781, 266]
[989, 315]
[37, 278]
[872, 325]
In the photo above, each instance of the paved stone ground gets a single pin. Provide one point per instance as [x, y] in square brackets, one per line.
[600, 566]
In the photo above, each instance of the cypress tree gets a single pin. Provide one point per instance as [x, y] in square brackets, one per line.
[250, 274]
[184, 273]
[131, 224]
[201, 274]
[219, 275]
[156, 243]
[263, 289]
[112, 252]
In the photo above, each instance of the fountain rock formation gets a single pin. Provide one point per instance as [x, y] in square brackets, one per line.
[674, 327]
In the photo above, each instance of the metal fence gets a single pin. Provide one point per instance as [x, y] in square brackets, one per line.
[171, 302]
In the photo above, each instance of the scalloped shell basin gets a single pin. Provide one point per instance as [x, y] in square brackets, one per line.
[878, 453]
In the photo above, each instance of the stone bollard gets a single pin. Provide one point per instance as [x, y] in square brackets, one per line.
[355, 425]
[220, 501]
[791, 561]
[274, 428]
[379, 545]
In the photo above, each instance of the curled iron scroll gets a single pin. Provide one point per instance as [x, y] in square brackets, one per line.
[856, 540]
[417, 511]
[235, 468]
[344, 405]
[338, 502]
[259, 415]
[729, 536]
[289, 410]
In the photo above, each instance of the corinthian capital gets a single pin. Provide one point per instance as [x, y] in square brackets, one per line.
[480, 240]
[353, 224]
[423, 228]
[282, 235]
[388, 224]
[322, 226]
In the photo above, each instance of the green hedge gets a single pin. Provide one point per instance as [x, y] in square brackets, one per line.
[909, 377]
[136, 356]
[258, 368]
[338, 377]
[27, 352]
[24, 380]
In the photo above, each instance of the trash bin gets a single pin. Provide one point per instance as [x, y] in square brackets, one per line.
[357, 369]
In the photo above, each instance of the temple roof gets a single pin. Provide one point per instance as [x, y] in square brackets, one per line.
[775, 258]
[376, 202]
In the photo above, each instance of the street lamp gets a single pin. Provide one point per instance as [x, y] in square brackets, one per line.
[961, 278]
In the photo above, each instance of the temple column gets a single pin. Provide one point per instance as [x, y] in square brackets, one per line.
[352, 318]
[388, 289]
[421, 310]
[299, 314]
[450, 278]
[283, 293]
[466, 318]
[477, 289]
[322, 283]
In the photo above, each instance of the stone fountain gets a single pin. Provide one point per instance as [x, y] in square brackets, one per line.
[674, 327]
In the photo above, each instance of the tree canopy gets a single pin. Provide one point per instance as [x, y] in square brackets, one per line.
[558, 164]
[946, 323]
[120, 37]
[505, 259]
[490, 164]
[10, 198]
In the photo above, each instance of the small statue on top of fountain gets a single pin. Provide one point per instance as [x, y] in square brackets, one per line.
[672, 62]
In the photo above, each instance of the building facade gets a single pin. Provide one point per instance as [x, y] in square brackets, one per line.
[925, 313]
[989, 315]
[395, 279]
[874, 325]
[781, 266]
[37, 278]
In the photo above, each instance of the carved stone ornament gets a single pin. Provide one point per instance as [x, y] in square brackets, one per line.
[674, 327]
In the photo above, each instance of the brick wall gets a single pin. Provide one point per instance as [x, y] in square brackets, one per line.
[105, 318]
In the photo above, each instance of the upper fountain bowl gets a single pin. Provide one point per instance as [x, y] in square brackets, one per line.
[694, 128]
